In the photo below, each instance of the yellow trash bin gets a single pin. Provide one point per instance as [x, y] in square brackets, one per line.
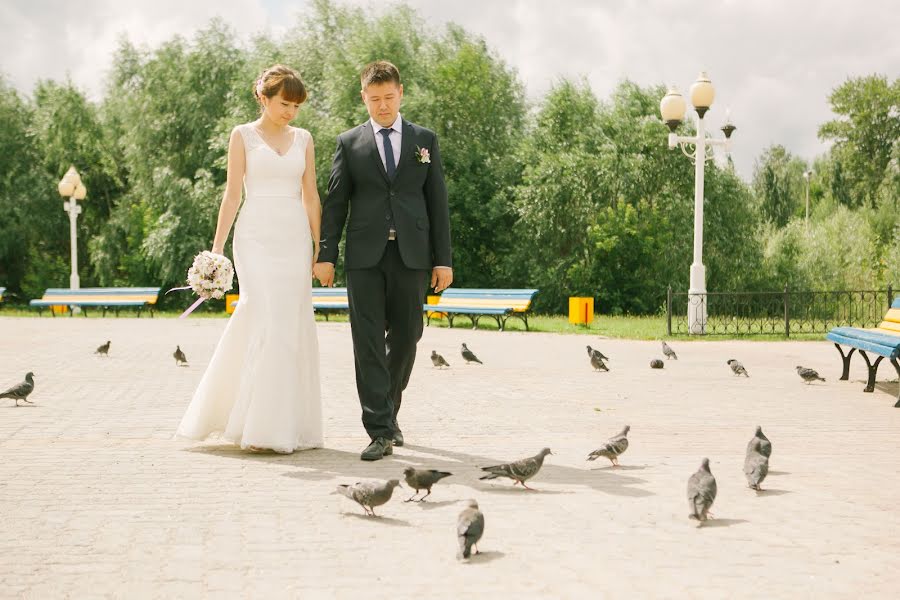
[581, 310]
[59, 309]
[434, 314]
[230, 299]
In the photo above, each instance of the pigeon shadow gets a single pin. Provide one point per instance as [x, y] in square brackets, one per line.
[515, 489]
[484, 557]
[776, 473]
[378, 519]
[22, 406]
[621, 468]
[429, 505]
[722, 522]
[771, 492]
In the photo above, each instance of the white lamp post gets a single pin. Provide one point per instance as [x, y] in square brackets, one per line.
[672, 107]
[70, 187]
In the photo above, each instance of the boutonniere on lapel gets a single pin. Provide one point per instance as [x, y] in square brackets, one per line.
[422, 155]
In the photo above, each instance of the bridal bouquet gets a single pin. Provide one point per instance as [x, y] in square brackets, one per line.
[210, 276]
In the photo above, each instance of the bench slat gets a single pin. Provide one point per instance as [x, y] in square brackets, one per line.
[890, 351]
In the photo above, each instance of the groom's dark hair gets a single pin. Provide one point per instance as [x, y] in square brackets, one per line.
[380, 71]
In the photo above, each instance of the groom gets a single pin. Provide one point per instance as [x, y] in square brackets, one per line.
[387, 173]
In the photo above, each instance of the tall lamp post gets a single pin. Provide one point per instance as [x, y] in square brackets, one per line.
[672, 107]
[71, 187]
[806, 176]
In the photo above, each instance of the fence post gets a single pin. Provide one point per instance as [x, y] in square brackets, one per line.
[669, 310]
[787, 318]
[890, 295]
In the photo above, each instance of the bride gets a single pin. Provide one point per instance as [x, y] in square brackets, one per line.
[261, 389]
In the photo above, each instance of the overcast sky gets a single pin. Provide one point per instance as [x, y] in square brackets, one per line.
[773, 62]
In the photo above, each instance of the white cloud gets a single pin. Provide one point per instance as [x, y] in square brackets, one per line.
[773, 62]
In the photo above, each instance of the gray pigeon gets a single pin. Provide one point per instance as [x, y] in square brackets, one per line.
[737, 368]
[519, 471]
[422, 479]
[597, 362]
[21, 391]
[756, 465]
[656, 364]
[701, 492]
[808, 375]
[438, 361]
[594, 352]
[104, 349]
[469, 529]
[615, 446]
[469, 355]
[369, 494]
[668, 351]
[765, 446]
[179, 356]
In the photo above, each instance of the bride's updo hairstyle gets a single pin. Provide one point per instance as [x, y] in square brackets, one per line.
[279, 78]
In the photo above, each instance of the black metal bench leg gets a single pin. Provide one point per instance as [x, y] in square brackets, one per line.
[474, 321]
[845, 374]
[499, 322]
[873, 369]
[897, 366]
[450, 320]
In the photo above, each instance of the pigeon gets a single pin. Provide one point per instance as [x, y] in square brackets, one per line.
[469, 529]
[765, 446]
[756, 464]
[438, 361]
[422, 479]
[594, 352]
[369, 494]
[668, 351]
[701, 492]
[179, 356]
[469, 355]
[615, 446]
[656, 364]
[597, 362]
[21, 391]
[808, 375]
[737, 368]
[104, 349]
[519, 471]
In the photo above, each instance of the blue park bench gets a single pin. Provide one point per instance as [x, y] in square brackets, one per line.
[104, 298]
[326, 300]
[883, 341]
[499, 304]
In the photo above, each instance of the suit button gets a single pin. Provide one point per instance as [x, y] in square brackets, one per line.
[387, 217]
[393, 194]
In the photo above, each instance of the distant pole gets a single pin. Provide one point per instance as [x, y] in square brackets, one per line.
[72, 188]
[806, 176]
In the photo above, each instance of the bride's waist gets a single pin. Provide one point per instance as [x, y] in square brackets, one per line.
[294, 197]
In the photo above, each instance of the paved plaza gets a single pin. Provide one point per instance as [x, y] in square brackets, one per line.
[97, 500]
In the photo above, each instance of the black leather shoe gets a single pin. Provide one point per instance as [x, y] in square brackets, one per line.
[378, 449]
[398, 435]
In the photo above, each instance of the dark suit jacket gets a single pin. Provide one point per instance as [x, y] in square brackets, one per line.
[416, 200]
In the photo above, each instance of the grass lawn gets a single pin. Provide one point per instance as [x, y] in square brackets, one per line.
[625, 327]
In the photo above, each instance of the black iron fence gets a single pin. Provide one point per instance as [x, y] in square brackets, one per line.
[777, 313]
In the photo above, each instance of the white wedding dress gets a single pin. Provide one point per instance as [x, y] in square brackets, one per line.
[261, 388]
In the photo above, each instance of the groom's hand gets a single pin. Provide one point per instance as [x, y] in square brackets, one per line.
[441, 278]
[324, 272]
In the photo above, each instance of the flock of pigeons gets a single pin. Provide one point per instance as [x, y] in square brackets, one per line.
[701, 487]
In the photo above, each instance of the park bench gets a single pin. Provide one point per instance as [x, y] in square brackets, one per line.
[103, 298]
[326, 300]
[499, 304]
[883, 341]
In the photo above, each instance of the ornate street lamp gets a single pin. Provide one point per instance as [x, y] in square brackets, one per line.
[672, 108]
[71, 187]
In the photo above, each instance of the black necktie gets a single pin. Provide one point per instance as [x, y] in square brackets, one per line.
[389, 165]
